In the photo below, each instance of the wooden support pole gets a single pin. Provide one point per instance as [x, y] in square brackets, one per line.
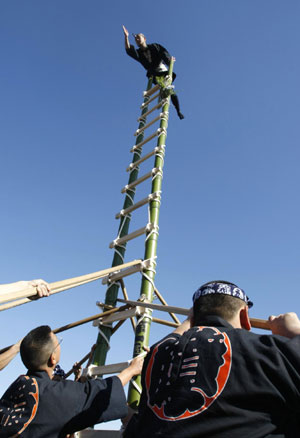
[255, 322]
[117, 326]
[164, 322]
[125, 295]
[82, 321]
[84, 359]
[60, 286]
[163, 301]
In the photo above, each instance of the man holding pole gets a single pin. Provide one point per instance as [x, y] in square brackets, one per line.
[37, 406]
[214, 378]
[42, 289]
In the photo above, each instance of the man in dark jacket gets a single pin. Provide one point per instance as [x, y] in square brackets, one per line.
[155, 59]
[37, 406]
[213, 378]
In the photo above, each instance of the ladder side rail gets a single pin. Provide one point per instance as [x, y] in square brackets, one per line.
[142, 332]
[102, 346]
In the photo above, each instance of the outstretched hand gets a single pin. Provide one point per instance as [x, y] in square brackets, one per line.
[126, 33]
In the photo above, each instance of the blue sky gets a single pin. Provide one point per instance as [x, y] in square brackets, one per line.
[69, 102]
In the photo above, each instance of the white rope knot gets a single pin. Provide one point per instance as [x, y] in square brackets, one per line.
[161, 131]
[104, 336]
[136, 386]
[137, 168]
[159, 172]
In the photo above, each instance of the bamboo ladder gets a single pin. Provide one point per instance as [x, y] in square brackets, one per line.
[142, 330]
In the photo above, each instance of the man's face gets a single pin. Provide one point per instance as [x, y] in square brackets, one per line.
[56, 346]
[140, 39]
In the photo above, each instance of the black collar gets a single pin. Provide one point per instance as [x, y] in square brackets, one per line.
[214, 321]
[42, 374]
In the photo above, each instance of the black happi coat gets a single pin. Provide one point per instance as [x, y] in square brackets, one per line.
[35, 406]
[215, 381]
[150, 58]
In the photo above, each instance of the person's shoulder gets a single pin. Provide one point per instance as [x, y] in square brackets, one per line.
[24, 391]
[159, 47]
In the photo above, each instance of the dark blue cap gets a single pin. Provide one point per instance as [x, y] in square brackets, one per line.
[222, 287]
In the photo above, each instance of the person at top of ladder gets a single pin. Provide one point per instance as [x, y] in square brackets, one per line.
[155, 59]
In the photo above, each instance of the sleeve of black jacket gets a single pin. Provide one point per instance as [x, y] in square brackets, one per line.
[165, 55]
[99, 401]
[286, 366]
[132, 52]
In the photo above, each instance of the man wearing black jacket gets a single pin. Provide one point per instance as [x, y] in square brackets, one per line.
[155, 59]
[213, 378]
[37, 406]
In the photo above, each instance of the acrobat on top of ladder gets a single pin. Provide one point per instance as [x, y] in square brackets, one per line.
[155, 59]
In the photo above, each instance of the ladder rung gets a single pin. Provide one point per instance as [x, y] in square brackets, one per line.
[113, 368]
[157, 132]
[120, 316]
[126, 272]
[161, 103]
[150, 100]
[151, 197]
[143, 178]
[161, 116]
[151, 91]
[122, 274]
[119, 241]
[156, 150]
[137, 146]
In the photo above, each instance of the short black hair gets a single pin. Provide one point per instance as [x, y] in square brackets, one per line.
[225, 306]
[37, 347]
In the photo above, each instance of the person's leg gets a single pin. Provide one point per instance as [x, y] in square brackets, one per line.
[168, 91]
[175, 102]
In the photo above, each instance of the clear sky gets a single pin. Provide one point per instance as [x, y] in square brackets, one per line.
[69, 102]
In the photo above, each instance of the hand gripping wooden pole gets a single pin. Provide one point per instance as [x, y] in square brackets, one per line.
[60, 286]
[255, 322]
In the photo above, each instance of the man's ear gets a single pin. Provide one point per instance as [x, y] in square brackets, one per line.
[244, 318]
[52, 360]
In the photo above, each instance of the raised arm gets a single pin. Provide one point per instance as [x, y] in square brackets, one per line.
[186, 324]
[134, 369]
[126, 35]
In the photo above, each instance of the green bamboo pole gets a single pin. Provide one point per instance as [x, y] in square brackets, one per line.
[147, 287]
[112, 291]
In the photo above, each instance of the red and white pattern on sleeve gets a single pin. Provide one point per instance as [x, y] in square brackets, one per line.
[18, 406]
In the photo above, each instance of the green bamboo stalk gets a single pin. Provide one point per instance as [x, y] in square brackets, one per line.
[147, 287]
[112, 291]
